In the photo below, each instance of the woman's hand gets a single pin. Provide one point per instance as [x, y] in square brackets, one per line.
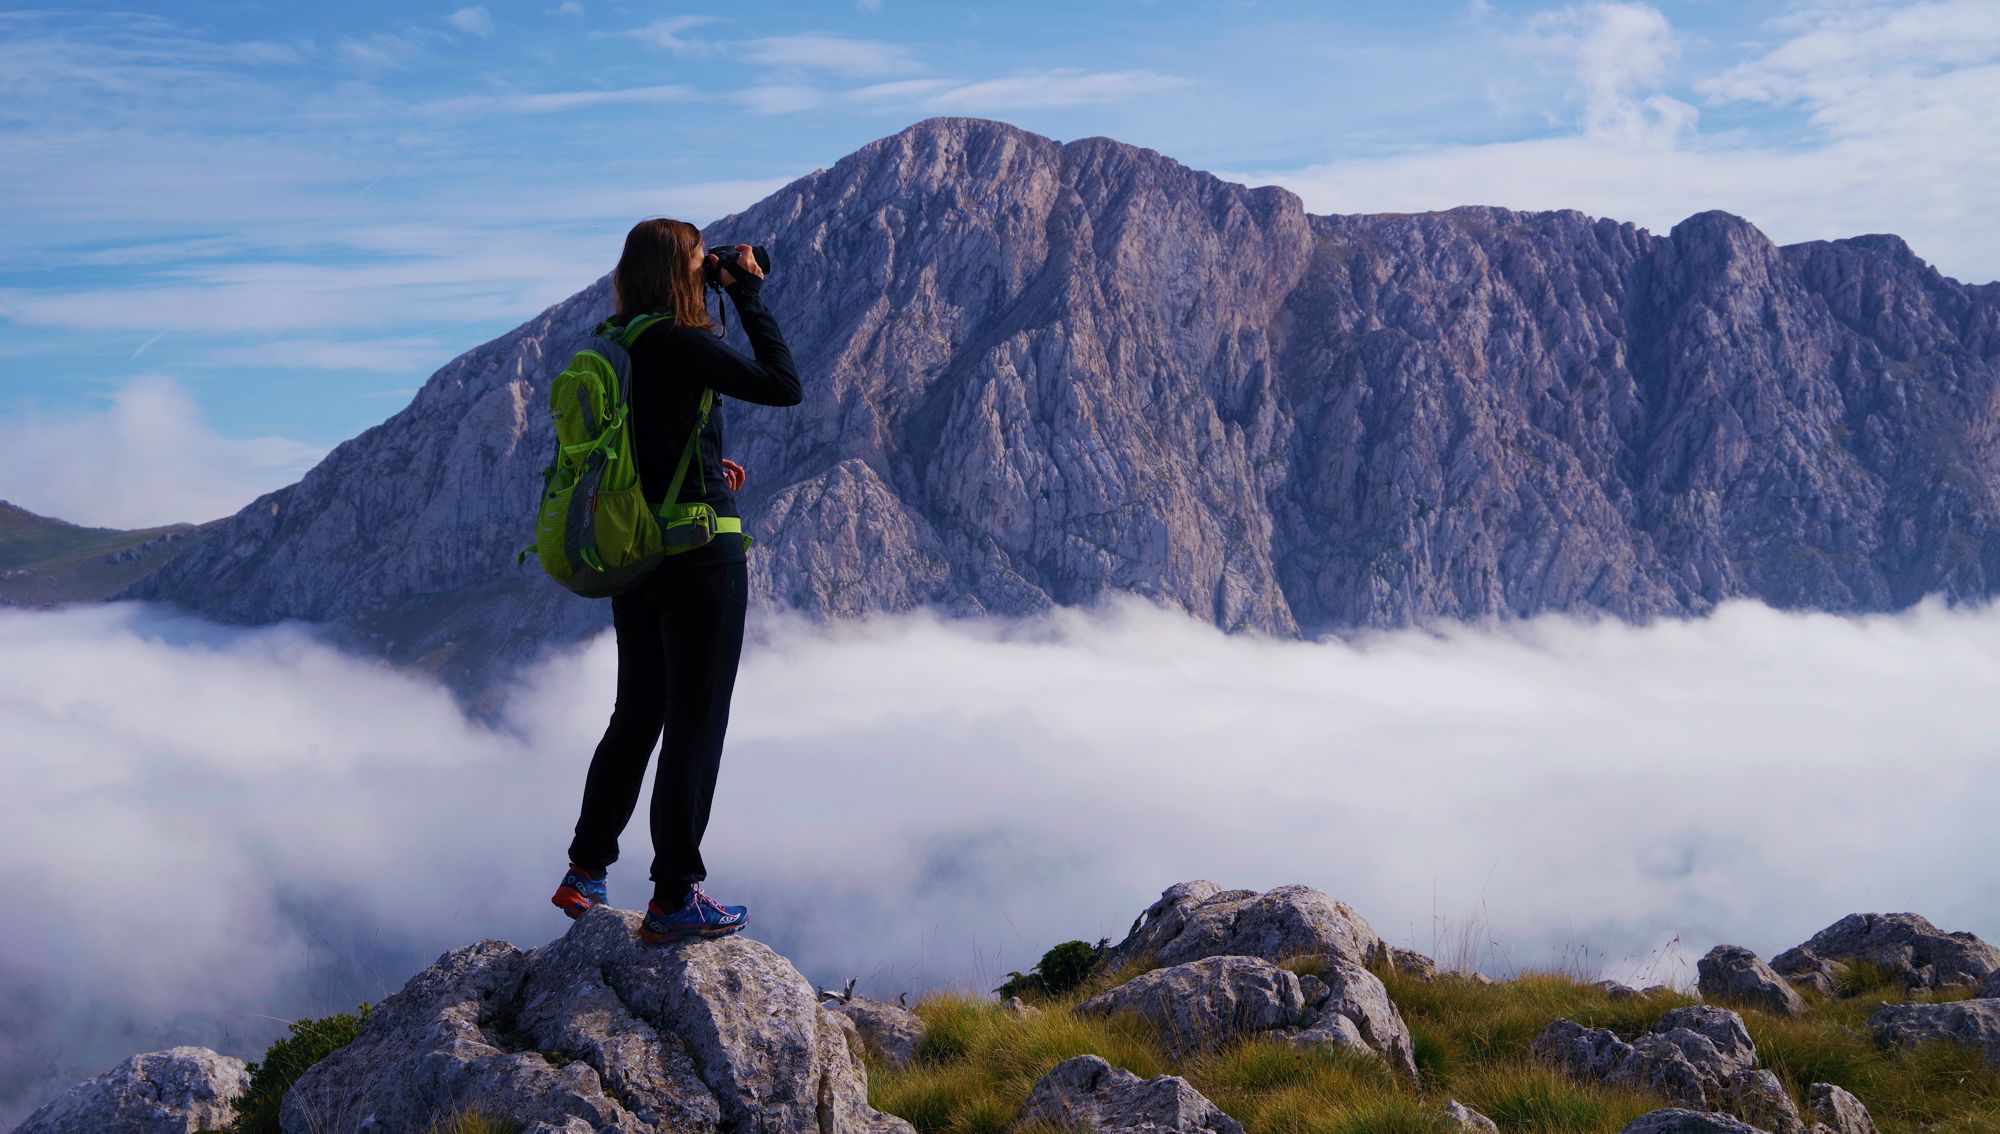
[747, 260]
[732, 473]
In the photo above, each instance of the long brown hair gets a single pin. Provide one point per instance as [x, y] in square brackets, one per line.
[653, 273]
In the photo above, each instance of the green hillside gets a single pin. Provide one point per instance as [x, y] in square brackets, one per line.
[47, 562]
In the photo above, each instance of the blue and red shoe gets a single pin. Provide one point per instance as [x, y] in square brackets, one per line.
[699, 916]
[579, 891]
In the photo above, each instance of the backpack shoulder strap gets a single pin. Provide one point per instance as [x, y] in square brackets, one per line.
[687, 453]
[628, 334]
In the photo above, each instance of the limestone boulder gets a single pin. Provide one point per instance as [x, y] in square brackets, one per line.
[1697, 1056]
[600, 1030]
[175, 1091]
[1088, 1093]
[1975, 1023]
[1463, 1117]
[1349, 1006]
[1197, 919]
[1618, 990]
[1919, 953]
[1411, 963]
[1832, 1110]
[1680, 1120]
[1737, 975]
[1197, 1006]
[1757, 1096]
[891, 1033]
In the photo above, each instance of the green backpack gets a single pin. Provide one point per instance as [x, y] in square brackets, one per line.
[594, 532]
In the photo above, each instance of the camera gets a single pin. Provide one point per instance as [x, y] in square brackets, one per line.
[726, 257]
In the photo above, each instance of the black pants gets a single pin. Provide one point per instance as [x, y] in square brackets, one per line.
[680, 635]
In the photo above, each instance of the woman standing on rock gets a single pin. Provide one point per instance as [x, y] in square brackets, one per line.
[680, 633]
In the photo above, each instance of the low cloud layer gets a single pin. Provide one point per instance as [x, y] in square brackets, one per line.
[224, 828]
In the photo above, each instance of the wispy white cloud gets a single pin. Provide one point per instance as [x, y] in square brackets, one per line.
[697, 202]
[836, 54]
[479, 259]
[1893, 97]
[1039, 91]
[152, 459]
[667, 33]
[778, 98]
[1056, 87]
[411, 356]
[554, 102]
[475, 20]
[267, 297]
[137, 62]
[378, 52]
[1619, 52]
[569, 8]
[924, 802]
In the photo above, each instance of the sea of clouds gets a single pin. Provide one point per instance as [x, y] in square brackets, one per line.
[208, 831]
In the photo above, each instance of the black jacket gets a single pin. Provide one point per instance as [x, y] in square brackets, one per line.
[671, 365]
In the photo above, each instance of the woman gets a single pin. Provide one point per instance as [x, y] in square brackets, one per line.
[680, 633]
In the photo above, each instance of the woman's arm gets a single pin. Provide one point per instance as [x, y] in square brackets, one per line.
[768, 380]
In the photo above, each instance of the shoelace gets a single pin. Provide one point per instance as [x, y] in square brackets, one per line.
[700, 899]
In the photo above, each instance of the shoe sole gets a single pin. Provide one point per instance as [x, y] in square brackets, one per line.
[653, 937]
[570, 901]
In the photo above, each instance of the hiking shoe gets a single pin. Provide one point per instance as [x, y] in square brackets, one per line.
[578, 892]
[699, 916]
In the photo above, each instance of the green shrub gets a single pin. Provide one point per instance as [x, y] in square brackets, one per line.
[1060, 969]
[310, 1041]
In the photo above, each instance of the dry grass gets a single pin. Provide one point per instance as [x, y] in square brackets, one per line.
[1472, 1041]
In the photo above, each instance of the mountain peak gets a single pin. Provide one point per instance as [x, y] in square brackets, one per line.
[1007, 340]
[1718, 224]
[957, 127]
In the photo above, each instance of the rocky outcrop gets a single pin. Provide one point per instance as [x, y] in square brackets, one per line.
[1757, 1096]
[1834, 1111]
[1919, 954]
[1349, 1006]
[597, 1030]
[1411, 963]
[891, 1033]
[1088, 1093]
[1990, 987]
[1200, 1005]
[1199, 919]
[1734, 974]
[1680, 1120]
[1975, 1023]
[1700, 1056]
[176, 1091]
[1463, 1117]
[1037, 373]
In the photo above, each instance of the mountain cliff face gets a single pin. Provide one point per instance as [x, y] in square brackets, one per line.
[1037, 371]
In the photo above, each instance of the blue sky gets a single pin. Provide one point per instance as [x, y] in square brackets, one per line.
[239, 233]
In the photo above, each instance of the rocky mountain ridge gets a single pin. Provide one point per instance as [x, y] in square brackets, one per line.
[1040, 372]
